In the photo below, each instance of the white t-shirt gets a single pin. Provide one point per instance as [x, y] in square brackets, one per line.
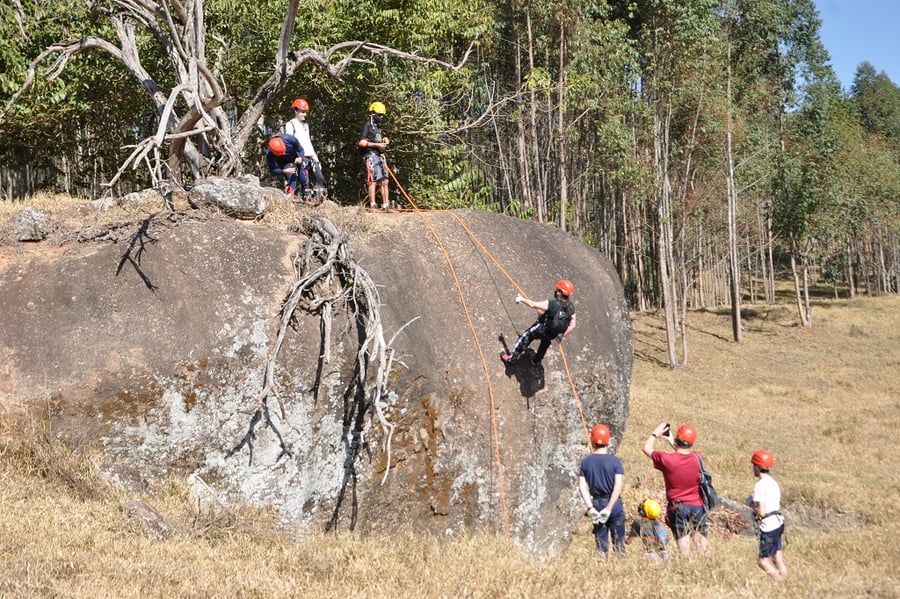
[767, 493]
[300, 130]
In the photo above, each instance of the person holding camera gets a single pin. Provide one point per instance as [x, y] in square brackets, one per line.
[600, 484]
[686, 515]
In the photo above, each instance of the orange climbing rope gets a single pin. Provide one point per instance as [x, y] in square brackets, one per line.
[488, 253]
[471, 324]
[484, 365]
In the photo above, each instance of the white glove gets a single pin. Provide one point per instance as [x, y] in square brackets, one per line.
[603, 516]
[595, 515]
[519, 299]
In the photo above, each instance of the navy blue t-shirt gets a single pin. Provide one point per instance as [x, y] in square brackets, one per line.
[293, 151]
[599, 470]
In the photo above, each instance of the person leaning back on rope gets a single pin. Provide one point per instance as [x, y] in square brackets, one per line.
[556, 319]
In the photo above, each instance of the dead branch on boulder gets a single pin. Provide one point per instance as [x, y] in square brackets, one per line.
[329, 277]
[192, 109]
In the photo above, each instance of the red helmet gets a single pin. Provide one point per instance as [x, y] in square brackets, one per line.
[300, 104]
[600, 435]
[762, 459]
[276, 146]
[565, 286]
[687, 434]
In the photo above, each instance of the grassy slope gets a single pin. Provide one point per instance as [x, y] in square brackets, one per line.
[824, 400]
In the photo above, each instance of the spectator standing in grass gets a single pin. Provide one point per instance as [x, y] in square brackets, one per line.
[686, 515]
[766, 505]
[600, 484]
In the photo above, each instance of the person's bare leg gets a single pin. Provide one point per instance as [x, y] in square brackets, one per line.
[370, 187]
[780, 565]
[385, 198]
[684, 546]
[702, 543]
[767, 566]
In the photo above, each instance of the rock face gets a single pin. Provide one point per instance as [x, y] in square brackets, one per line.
[156, 349]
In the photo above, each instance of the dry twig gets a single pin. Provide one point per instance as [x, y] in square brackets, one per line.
[329, 277]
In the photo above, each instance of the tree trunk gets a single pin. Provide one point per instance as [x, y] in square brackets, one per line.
[664, 224]
[561, 134]
[801, 291]
[537, 179]
[851, 274]
[734, 259]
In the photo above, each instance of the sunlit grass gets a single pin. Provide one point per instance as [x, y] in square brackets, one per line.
[825, 401]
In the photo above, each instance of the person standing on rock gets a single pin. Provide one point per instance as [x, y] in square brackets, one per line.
[766, 505]
[686, 515]
[372, 144]
[556, 319]
[600, 484]
[299, 128]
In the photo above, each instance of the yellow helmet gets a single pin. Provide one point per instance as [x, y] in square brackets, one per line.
[651, 508]
[377, 108]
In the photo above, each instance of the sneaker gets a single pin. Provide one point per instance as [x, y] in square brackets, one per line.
[373, 206]
[505, 358]
[290, 192]
[387, 208]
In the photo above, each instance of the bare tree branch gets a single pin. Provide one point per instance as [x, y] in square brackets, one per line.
[327, 262]
[180, 29]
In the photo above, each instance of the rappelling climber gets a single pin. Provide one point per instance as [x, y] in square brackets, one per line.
[557, 319]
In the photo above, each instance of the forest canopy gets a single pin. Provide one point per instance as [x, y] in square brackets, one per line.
[703, 145]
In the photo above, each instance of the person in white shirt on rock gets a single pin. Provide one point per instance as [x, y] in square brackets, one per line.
[299, 128]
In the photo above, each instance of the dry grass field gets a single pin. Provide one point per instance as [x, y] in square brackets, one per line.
[825, 401]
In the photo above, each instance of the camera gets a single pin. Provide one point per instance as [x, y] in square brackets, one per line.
[666, 429]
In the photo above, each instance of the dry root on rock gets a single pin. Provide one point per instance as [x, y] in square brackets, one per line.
[328, 278]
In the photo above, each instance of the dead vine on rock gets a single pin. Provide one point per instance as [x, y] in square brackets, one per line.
[329, 278]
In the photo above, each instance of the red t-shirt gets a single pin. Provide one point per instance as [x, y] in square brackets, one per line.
[681, 472]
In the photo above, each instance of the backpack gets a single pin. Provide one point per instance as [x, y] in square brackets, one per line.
[707, 492]
[557, 317]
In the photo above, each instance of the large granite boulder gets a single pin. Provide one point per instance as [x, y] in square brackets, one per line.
[156, 348]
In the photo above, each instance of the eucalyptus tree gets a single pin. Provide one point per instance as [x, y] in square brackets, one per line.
[782, 65]
[878, 101]
[870, 163]
[673, 40]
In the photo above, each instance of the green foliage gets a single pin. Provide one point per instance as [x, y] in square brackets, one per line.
[878, 101]
[551, 94]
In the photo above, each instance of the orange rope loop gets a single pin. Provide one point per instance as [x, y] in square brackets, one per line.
[484, 365]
